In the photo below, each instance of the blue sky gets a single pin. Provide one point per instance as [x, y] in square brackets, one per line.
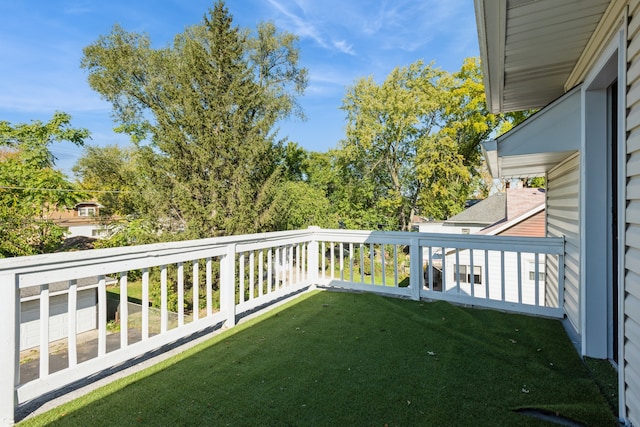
[341, 41]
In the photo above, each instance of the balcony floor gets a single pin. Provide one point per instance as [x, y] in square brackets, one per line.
[337, 358]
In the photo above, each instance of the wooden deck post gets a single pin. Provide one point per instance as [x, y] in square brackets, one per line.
[415, 275]
[312, 261]
[10, 339]
[227, 285]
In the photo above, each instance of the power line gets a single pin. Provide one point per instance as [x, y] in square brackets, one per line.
[7, 187]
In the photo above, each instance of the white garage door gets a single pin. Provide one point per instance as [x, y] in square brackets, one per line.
[58, 319]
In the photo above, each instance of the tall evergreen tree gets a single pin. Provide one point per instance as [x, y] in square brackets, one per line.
[202, 112]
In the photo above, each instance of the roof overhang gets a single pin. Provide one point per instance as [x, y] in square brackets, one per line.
[534, 50]
[540, 142]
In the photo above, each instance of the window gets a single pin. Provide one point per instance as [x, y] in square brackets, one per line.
[86, 211]
[99, 232]
[465, 274]
[532, 271]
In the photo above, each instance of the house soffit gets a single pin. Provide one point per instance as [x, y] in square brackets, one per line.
[529, 48]
[539, 143]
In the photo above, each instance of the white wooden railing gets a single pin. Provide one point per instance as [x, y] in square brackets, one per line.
[224, 278]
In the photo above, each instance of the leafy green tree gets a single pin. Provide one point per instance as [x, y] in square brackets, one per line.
[445, 180]
[112, 172]
[413, 142]
[386, 125]
[466, 119]
[201, 113]
[296, 205]
[30, 186]
[293, 162]
[536, 182]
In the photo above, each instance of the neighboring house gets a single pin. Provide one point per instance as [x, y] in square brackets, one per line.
[516, 212]
[83, 220]
[579, 61]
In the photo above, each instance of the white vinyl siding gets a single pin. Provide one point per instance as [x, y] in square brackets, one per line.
[563, 219]
[631, 303]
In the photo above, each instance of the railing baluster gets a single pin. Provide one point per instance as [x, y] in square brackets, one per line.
[457, 270]
[443, 260]
[286, 271]
[324, 261]
[537, 279]
[278, 268]
[282, 273]
[72, 327]
[145, 303]
[164, 310]
[44, 330]
[472, 273]
[260, 272]
[241, 277]
[371, 254]
[288, 255]
[351, 262]
[486, 274]
[209, 281]
[290, 265]
[384, 273]
[252, 274]
[333, 256]
[285, 266]
[341, 261]
[195, 290]
[395, 265]
[180, 294]
[124, 310]
[361, 263]
[102, 315]
[430, 267]
[298, 263]
[519, 278]
[269, 269]
[502, 277]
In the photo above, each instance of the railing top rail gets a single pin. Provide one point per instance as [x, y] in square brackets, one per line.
[107, 261]
[56, 261]
[549, 245]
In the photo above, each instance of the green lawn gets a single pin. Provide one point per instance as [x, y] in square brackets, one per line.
[134, 291]
[335, 359]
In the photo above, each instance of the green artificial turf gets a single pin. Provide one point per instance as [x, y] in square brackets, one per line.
[344, 359]
[606, 377]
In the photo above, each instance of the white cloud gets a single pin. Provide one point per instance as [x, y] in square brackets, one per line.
[311, 23]
[343, 47]
[300, 26]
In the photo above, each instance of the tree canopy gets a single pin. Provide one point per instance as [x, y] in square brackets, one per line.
[413, 141]
[206, 158]
[30, 186]
[202, 113]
